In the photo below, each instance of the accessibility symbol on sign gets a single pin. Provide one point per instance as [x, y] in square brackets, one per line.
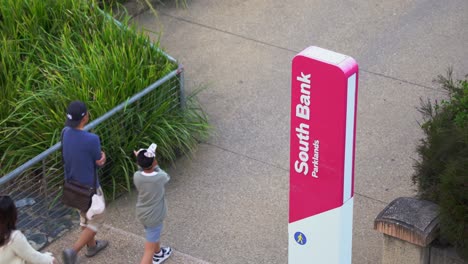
[300, 238]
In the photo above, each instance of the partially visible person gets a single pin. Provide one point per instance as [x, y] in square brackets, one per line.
[151, 205]
[81, 156]
[14, 247]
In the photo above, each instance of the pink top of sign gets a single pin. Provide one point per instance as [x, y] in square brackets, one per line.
[323, 107]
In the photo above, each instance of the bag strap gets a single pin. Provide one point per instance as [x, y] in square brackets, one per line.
[95, 177]
[63, 159]
[61, 141]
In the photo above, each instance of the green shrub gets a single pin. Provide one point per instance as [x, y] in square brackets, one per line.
[454, 204]
[441, 173]
[53, 52]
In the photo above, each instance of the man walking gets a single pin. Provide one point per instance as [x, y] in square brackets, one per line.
[82, 155]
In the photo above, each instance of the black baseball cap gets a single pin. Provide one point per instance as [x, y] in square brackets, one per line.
[75, 112]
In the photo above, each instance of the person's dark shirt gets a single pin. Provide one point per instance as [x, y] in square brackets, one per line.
[81, 149]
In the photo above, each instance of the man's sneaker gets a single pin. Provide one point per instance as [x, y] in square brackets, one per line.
[69, 256]
[162, 255]
[100, 245]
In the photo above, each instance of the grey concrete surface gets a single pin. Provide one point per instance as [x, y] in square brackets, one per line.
[124, 247]
[217, 211]
[387, 135]
[367, 245]
[233, 196]
[247, 95]
[410, 40]
[240, 210]
[229, 203]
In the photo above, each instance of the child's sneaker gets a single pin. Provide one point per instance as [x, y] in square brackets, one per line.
[162, 255]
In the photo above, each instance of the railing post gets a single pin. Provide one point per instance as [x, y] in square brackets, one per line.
[46, 195]
[180, 71]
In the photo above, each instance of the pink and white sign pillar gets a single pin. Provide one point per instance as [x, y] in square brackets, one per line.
[323, 128]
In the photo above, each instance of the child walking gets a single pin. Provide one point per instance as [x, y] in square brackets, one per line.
[151, 204]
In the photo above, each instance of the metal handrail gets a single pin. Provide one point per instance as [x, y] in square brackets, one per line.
[36, 184]
[13, 174]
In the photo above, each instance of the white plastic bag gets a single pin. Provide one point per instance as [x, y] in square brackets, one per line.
[98, 205]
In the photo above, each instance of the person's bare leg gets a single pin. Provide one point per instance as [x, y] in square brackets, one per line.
[86, 238]
[150, 249]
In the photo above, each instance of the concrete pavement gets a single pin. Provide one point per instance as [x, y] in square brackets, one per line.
[229, 203]
[236, 187]
[124, 247]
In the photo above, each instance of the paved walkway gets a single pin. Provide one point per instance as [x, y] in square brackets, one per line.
[229, 203]
[124, 247]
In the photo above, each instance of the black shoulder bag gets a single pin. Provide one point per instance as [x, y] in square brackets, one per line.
[75, 194]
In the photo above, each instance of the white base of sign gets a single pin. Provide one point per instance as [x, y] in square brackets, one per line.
[325, 238]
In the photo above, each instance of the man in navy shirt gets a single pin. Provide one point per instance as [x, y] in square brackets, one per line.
[82, 155]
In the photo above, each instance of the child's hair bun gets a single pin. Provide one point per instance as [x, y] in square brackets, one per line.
[145, 158]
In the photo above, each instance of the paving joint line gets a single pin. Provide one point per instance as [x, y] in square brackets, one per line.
[290, 50]
[142, 239]
[246, 156]
[227, 32]
[295, 52]
[281, 168]
[400, 80]
[370, 198]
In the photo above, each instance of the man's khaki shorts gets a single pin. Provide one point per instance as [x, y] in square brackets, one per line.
[98, 220]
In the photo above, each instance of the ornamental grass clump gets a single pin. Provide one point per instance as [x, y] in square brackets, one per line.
[441, 173]
[53, 52]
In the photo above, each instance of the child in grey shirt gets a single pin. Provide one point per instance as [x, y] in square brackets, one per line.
[151, 205]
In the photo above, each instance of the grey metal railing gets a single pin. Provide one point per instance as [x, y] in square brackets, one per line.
[36, 185]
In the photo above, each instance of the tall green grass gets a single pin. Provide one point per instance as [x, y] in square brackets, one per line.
[53, 52]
